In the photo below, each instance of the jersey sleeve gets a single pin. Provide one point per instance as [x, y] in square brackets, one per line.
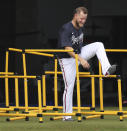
[64, 38]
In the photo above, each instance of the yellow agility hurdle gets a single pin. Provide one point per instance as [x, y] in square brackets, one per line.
[56, 95]
[101, 87]
[6, 73]
[37, 111]
[25, 73]
[17, 107]
[24, 66]
[55, 81]
[119, 90]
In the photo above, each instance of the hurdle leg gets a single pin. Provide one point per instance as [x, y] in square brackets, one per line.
[25, 83]
[101, 91]
[44, 91]
[6, 81]
[120, 99]
[55, 88]
[93, 92]
[55, 91]
[78, 90]
[39, 101]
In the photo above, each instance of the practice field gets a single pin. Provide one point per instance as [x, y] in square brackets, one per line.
[109, 123]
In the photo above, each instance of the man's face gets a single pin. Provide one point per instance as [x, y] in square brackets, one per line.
[80, 19]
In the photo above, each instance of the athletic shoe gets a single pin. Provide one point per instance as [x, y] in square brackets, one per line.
[69, 119]
[111, 70]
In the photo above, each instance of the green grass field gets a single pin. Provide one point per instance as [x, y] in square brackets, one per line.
[109, 123]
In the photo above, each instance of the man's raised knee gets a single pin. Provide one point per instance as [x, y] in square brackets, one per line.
[100, 44]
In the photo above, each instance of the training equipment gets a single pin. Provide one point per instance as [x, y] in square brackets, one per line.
[40, 111]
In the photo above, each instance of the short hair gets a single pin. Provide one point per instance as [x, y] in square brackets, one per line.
[79, 9]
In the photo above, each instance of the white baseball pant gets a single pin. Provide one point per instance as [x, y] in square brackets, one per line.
[68, 68]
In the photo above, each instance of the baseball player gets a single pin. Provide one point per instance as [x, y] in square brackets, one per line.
[71, 37]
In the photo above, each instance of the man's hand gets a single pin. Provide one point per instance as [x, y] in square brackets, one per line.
[84, 63]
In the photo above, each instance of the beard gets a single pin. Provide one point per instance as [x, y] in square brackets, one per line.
[79, 25]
